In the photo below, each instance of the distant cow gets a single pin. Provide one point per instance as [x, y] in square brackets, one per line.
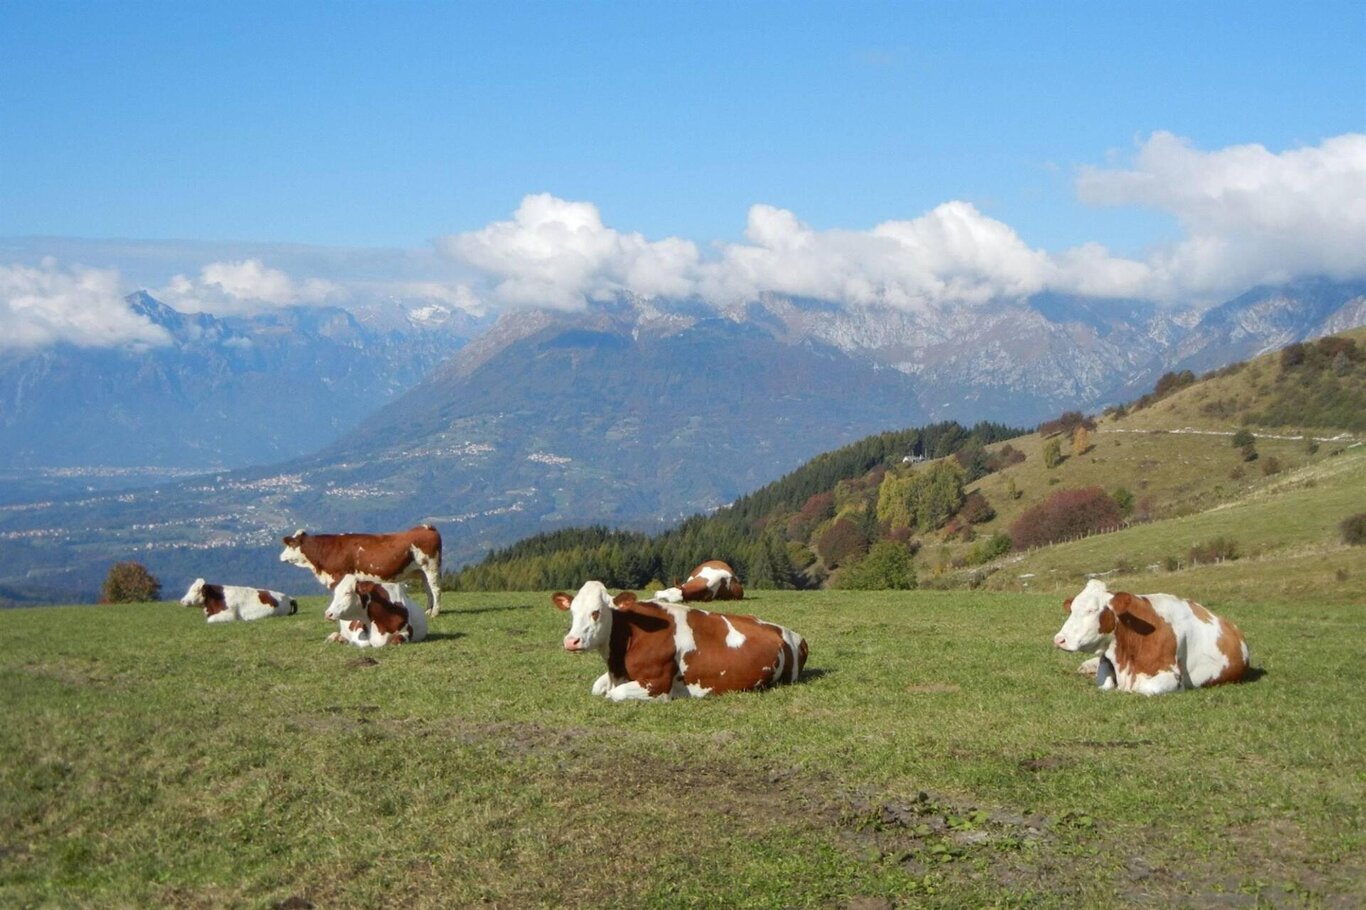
[1154, 643]
[371, 557]
[664, 650]
[373, 615]
[226, 603]
[713, 580]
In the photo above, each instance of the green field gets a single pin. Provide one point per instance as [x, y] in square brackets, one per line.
[938, 753]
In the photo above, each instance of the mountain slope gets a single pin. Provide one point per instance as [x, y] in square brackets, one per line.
[225, 392]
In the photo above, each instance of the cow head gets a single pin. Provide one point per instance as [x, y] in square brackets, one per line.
[293, 553]
[195, 596]
[1090, 620]
[672, 595]
[590, 616]
[349, 599]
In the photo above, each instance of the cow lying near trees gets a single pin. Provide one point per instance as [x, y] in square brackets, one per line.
[370, 614]
[227, 603]
[713, 580]
[663, 650]
[371, 557]
[1153, 643]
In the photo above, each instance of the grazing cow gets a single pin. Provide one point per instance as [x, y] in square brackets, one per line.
[371, 557]
[1151, 644]
[226, 603]
[664, 650]
[713, 580]
[369, 614]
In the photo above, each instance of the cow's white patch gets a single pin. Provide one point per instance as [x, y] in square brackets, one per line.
[685, 642]
[734, 637]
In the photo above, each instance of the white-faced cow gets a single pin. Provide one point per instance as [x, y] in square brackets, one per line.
[228, 603]
[371, 557]
[1154, 643]
[370, 614]
[713, 580]
[665, 650]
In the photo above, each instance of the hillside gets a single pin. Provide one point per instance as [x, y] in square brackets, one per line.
[1164, 471]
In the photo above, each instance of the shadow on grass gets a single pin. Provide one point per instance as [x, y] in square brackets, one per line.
[439, 636]
[1253, 674]
[811, 674]
[458, 611]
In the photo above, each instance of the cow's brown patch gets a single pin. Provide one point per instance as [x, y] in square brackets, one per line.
[214, 601]
[1230, 643]
[1150, 645]
[267, 598]
[385, 615]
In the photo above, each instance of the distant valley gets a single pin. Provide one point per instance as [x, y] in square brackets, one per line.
[633, 413]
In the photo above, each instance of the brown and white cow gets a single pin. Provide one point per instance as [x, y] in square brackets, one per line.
[665, 650]
[713, 580]
[228, 603]
[370, 614]
[371, 557]
[1155, 643]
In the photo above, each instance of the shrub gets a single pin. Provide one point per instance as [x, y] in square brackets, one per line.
[1004, 457]
[1217, 550]
[976, 509]
[1124, 500]
[129, 582]
[1237, 473]
[1052, 454]
[887, 567]
[1081, 441]
[1271, 465]
[1171, 563]
[1354, 529]
[1066, 514]
[1066, 424]
[988, 548]
[842, 541]
[1243, 438]
[1249, 453]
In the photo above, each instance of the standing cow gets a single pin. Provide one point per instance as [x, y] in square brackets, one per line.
[1153, 643]
[371, 557]
[663, 650]
[712, 580]
[227, 603]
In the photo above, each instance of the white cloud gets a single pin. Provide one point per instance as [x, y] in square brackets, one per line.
[44, 304]
[238, 288]
[1249, 215]
[555, 253]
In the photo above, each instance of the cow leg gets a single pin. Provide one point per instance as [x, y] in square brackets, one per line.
[1089, 667]
[631, 691]
[603, 683]
[224, 616]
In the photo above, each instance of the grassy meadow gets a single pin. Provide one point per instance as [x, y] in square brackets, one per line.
[938, 753]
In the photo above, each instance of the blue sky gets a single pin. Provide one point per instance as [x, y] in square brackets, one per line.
[398, 124]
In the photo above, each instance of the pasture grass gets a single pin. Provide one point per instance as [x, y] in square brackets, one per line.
[938, 753]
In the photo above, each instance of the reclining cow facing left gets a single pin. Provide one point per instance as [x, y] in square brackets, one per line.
[662, 651]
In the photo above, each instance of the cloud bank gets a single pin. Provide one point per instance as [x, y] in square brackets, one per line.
[45, 305]
[1247, 216]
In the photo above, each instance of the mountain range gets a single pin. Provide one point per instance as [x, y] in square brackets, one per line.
[630, 412]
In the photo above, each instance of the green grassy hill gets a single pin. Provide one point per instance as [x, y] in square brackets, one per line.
[938, 753]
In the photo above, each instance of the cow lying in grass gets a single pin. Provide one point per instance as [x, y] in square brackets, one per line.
[370, 614]
[663, 650]
[713, 580]
[228, 603]
[1153, 643]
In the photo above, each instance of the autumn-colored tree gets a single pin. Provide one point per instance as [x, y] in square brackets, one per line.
[129, 582]
[1065, 514]
[1081, 441]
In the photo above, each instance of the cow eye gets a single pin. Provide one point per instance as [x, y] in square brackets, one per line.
[596, 614]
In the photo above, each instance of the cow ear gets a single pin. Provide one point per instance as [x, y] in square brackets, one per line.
[1107, 621]
[561, 600]
[289, 541]
[625, 597]
[1123, 602]
[1067, 605]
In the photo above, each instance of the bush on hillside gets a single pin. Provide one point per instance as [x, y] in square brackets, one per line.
[988, 548]
[1354, 530]
[1124, 500]
[1052, 454]
[976, 509]
[1271, 465]
[1004, 457]
[129, 582]
[1243, 438]
[1066, 424]
[1217, 550]
[841, 542]
[1064, 515]
[887, 567]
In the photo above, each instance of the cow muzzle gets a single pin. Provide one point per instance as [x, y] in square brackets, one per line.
[573, 643]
